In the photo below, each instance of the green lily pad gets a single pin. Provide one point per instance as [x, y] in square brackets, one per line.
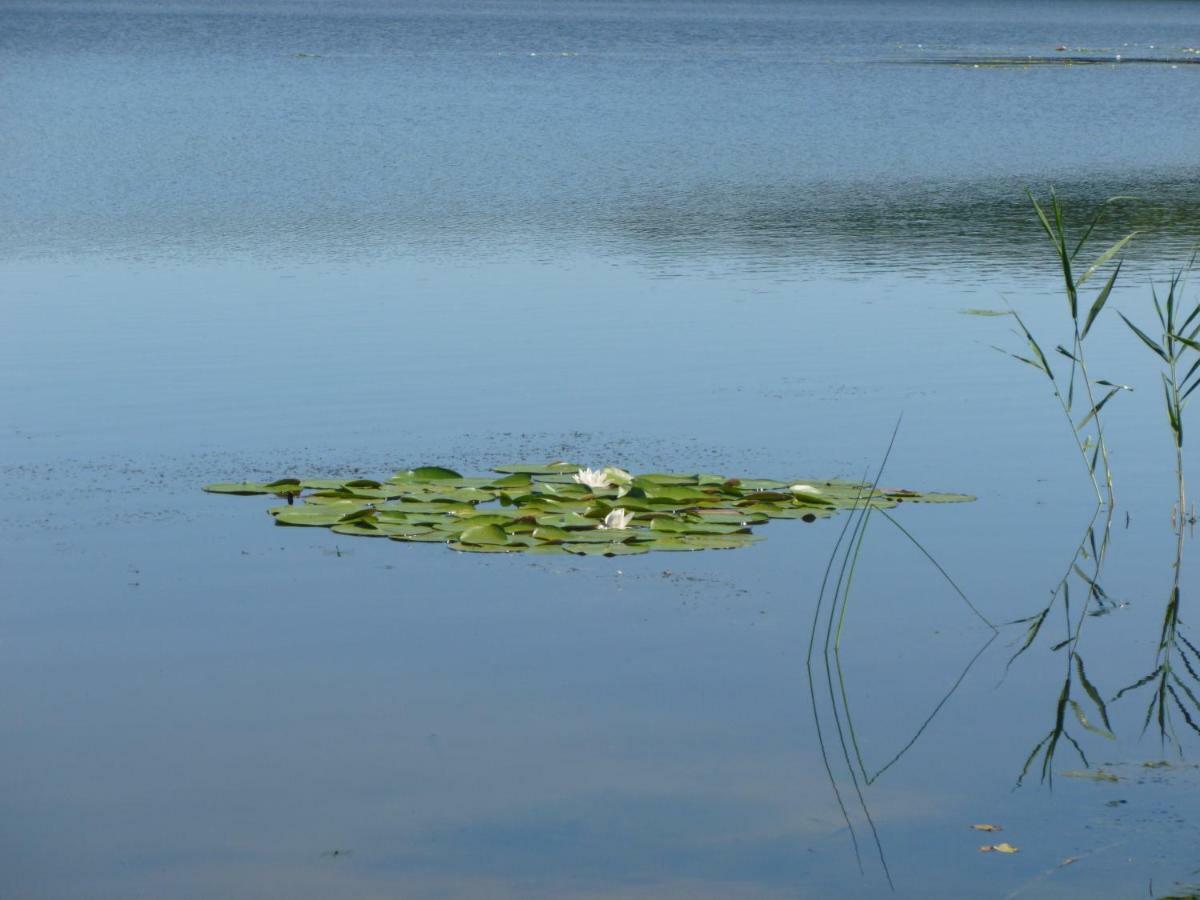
[322, 484]
[547, 550]
[425, 473]
[676, 493]
[430, 537]
[368, 528]
[317, 516]
[704, 541]
[484, 534]
[680, 526]
[241, 488]
[517, 479]
[485, 548]
[761, 484]
[388, 515]
[559, 483]
[247, 488]
[486, 518]
[362, 493]
[571, 520]
[663, 478]
[552, 535]
[609, 549]
[729, 516]
[408, 508]
[805, 513]
[539, 508]
[605, 536]
[332, 498]
[913, 497]
[459, 495]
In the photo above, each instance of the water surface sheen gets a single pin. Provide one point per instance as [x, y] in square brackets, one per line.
[247, 240]
[772, 130]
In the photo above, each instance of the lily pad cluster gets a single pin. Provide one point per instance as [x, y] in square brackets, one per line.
[559, 507]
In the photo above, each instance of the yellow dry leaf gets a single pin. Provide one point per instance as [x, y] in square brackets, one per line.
[999, 848]
[987, 827]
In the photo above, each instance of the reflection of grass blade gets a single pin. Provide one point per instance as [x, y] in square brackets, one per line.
[1191, 647]
[1182, 709]
[937, 709]
[1031, 634]
[833, 781]
[1141, 682]
[1031, 757]
[850, 538]
[1082, 718]
[1093, 693]
[829, 768]
[1095, 550]
[1187, 690]
[946, 575]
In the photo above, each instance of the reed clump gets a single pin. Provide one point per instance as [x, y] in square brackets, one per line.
[1076, 388]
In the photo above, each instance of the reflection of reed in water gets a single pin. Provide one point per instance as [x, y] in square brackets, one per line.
[1176, 666]
[913, 226]
[828, 622]
[1078, 693]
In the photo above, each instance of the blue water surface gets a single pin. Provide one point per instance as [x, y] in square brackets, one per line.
[247, 240]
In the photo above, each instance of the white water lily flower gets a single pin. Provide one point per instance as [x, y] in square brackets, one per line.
[592, 479]
[617, 519]
[803, 489]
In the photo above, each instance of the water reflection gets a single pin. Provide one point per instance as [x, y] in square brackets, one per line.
[1079, 710]
[916, 226]
[1176, 663]
[841, 754]
[1078, 694]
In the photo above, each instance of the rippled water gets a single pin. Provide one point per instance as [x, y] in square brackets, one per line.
[243, 240]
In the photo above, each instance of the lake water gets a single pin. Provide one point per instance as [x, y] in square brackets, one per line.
[241, 241]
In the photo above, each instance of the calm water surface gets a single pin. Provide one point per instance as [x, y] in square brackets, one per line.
[243, 240]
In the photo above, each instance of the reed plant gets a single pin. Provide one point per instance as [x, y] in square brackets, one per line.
[1078, 379]
[1178, 348]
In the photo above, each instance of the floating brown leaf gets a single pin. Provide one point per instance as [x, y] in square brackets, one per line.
[1089, 775]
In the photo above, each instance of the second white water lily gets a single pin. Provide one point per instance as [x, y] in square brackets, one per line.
[593, 478]
[617, 519]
